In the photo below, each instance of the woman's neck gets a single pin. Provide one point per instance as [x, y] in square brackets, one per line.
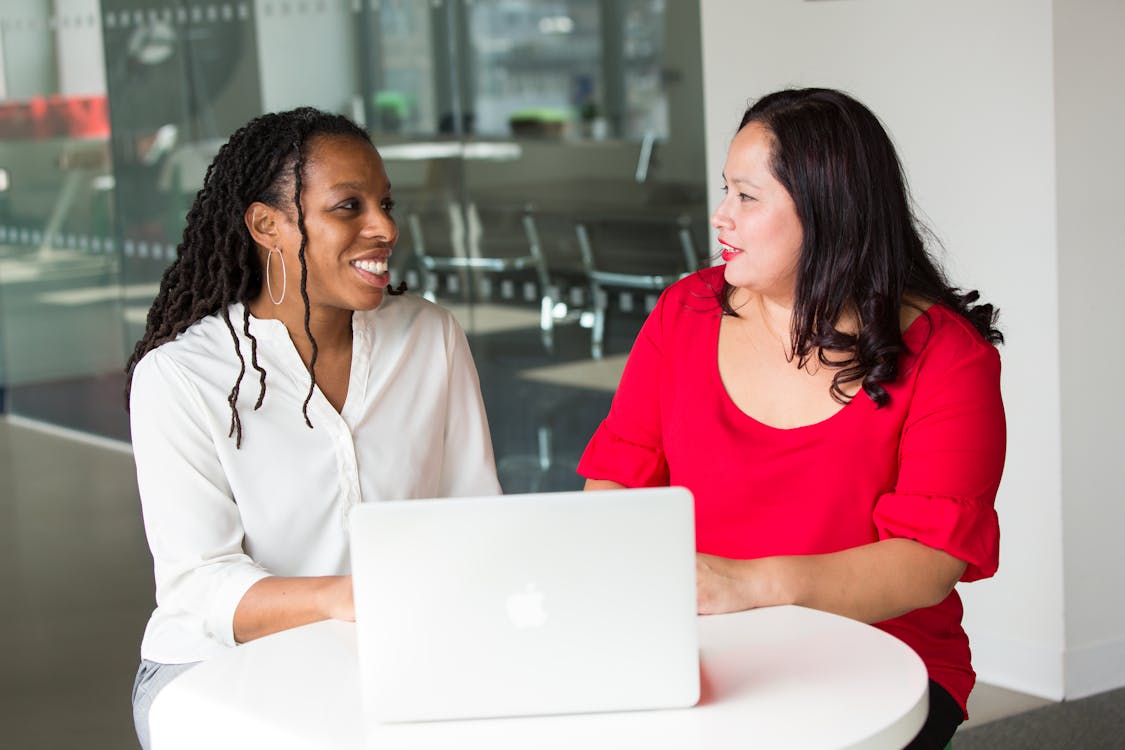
[331, 327]
[775, 316]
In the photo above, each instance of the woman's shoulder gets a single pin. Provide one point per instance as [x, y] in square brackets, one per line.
[940, 333]
[202, 336]
[939, 323]
[698, 292]
[407, 307]
[201, 351]
[407, 316]
[704, 284]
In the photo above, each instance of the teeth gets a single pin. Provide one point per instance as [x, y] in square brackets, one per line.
[371, 266]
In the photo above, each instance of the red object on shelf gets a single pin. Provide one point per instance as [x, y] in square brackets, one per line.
[55, 117]
[15, 120]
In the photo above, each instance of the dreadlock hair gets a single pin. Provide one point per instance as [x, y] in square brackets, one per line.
[216, 261]
[862, 250]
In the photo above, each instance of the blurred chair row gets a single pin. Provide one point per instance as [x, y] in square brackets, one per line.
[467, 243]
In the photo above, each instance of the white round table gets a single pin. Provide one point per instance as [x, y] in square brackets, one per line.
[775, 677]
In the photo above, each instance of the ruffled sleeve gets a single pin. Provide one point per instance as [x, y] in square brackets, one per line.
[610, 456]
[966, 528]
[951, 454]
[628, 447]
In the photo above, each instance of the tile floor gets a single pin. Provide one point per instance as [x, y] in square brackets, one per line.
[80, 589]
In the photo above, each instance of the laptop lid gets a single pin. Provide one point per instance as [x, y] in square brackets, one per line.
[548, 603]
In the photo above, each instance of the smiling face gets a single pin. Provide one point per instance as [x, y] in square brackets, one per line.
[346, 198]
[759, 229]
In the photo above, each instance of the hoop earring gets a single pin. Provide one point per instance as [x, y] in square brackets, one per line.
[284, 279]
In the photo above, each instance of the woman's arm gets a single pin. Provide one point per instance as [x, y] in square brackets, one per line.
[193, 525]
[627, 449]
[468, 463]
[276, 603]
[871, 583]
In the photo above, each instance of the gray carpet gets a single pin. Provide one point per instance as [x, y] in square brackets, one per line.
[1094, 723]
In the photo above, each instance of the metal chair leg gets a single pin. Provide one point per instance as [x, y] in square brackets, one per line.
[597, 335]
[547, 322]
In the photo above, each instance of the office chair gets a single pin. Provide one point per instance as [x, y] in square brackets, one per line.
[637, 253]
[472, 239]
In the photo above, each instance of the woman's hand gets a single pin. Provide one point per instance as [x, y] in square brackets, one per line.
[726, 585]
[716, 590]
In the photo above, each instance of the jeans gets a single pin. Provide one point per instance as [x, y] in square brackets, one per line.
[151, 679]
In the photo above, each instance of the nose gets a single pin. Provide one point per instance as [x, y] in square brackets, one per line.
[381, 225]
[720, 219]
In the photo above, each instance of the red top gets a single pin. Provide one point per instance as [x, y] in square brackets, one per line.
[925, 466]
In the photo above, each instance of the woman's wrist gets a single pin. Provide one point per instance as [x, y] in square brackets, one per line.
[336, 598]
[729, 585]
[780, 580]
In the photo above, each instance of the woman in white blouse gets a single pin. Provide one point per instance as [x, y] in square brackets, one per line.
[279, 382]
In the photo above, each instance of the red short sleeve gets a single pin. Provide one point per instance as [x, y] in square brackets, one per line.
[610, 456]
[951, 454]
[628, 447]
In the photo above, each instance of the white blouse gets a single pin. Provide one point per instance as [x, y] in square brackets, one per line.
[219, 519]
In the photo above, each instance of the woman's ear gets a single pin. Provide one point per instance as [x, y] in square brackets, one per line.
[262, 221]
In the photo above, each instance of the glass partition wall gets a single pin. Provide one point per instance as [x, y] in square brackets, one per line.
[547, 158]
[60, 283]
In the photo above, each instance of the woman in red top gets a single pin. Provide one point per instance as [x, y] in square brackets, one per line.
[830, 400]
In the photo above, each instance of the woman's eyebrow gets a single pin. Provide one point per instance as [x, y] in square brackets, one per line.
[356, 186]
[744, 181]
[348, 186]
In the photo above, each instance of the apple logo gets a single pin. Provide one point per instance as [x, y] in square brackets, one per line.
[525, 608]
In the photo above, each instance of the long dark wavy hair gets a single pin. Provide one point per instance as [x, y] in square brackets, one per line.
[863, 251]
[217, 260]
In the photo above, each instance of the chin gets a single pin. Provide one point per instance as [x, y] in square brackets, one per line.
[369, 301]
[736, 276]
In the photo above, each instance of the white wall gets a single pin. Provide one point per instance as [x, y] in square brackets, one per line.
[3, 74]
[966, 90]
[80, 51]
[1090, 122]
[295, 71]
[29, 49]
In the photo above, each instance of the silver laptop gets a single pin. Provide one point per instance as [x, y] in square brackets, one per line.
[519, 605]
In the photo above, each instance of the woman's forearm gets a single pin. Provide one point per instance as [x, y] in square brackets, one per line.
[277, 603]
[871, 583]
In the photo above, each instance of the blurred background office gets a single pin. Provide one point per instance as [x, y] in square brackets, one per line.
[547, 161]
[553, 163]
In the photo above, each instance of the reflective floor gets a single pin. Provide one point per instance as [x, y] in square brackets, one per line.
[80, 591]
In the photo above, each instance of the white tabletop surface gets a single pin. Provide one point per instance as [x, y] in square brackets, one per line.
[775, 677]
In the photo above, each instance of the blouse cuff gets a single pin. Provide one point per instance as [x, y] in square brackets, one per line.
[609, 456]
[966, 528]
[239, 579]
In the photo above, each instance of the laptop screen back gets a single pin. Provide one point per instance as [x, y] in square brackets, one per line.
[526, 604]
